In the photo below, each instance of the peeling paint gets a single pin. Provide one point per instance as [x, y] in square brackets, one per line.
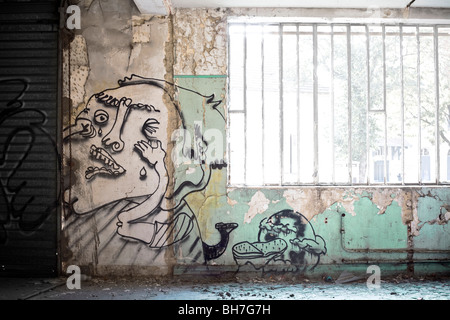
[76, 66]
[141, 29]
[258, 204]
[231, 202]
[189, 48]
[200, 37]
[313, 201]
[190, 170]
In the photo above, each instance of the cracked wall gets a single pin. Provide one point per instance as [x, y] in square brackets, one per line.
[200, 38]
[358, 225]
[106, 101]
[173, 80]
[138, 148]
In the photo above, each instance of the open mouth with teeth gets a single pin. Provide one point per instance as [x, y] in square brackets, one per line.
[110, 166]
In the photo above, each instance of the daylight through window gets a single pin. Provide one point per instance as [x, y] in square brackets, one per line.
[338, 104]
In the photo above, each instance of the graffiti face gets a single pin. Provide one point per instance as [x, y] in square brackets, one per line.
[298, 234]
[118, 165]
[285, 237]
[120, 149]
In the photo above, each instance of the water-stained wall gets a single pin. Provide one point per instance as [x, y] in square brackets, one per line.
[145, 167]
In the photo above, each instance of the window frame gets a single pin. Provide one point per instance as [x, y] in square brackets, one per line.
[348, 25]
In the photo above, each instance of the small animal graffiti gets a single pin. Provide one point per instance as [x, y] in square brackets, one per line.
[286, 238]
[211, 252]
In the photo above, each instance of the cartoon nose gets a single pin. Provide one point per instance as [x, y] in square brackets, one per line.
[113, 139]
[114, 142]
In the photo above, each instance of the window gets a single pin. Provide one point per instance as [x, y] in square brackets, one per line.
[448, 165]
[338, 104]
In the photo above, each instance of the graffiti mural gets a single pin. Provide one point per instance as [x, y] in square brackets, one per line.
[285, 238]
[121, 151]
[23, 141]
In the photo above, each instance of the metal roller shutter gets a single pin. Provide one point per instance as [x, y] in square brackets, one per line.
[28, 131]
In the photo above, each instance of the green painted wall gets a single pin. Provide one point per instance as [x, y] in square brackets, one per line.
[399, 228]
[200, 224]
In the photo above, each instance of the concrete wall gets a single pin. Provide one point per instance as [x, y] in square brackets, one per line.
[145, 170]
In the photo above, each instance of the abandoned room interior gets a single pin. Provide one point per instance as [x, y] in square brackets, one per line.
[168, 138]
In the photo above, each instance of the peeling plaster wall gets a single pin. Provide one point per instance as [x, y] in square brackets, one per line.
[361, 225]
[115, 41]
[200, 38]
[201, 224]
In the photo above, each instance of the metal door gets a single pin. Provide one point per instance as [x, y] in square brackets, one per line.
[28, 131]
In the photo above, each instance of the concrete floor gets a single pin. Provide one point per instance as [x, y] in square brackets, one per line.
[265, 288]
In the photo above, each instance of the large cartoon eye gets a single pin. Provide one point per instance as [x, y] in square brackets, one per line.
[150, 126]
[101, 116]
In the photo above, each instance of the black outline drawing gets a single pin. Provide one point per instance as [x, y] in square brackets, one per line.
[134, 219]
[211, 252]
[29, 121]
[282, 240]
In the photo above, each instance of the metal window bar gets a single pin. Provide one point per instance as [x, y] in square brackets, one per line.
[348, 34]
[229, 122]
[245, 105]
[436, 71]
[349, 99]
[281, 105]
[262, 106]
[298, 101]
[316, 108]
[333, 151]
[385, 178]
[402, 94]
[419, 109]
[367, 178]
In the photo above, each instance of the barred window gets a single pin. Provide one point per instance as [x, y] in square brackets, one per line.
[338, 104]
